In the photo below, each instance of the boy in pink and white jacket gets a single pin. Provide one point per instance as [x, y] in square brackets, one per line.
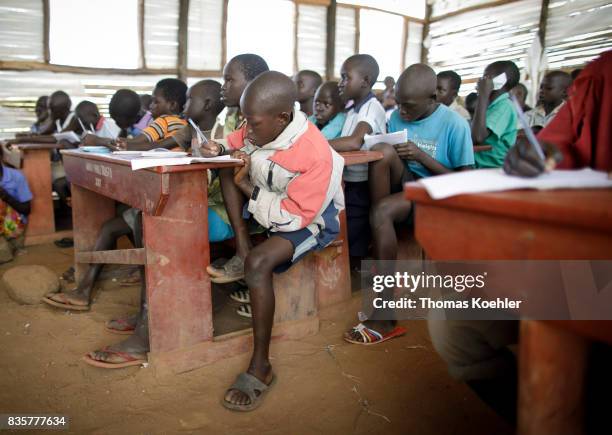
[293, 180]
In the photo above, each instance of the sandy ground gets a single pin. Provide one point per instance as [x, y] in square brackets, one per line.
[324, 385]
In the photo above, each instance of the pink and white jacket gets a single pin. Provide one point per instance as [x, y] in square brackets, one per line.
[298, 175]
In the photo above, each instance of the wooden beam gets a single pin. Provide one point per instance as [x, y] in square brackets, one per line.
[183, 25]
[41, 66]
[46, 31]
[409, 18]
[224, 35]
[141, 33]
[314, 2]
[471, 9]
[357, 30]
[425, 34]
[404, 44]
[296, 19]
[116, 256]
[543, 21]
[330, 52]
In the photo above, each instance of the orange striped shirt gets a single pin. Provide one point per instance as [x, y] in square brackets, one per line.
[163, 127]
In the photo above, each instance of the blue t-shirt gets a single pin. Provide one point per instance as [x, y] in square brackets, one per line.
[333, 129]
[15, 184]
[444, 135]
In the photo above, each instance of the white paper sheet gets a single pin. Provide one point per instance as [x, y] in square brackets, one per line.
[149, 162]
[70, 136]
[495, 180]
[390, 138]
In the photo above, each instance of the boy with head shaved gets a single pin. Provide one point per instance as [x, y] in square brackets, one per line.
[365, 115]
[292, 180]
[495, 119]
[553, 93]
[439, 142]
[307, 82]
[328, 115]
[447, 90]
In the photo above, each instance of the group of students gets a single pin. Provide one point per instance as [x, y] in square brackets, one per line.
[291, 182]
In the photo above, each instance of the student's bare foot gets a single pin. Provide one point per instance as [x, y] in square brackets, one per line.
[373, 331]
[237, 397]
[231, 271]
[130, 352]
[72, 299]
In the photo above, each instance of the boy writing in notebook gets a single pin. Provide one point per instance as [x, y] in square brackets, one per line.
[364, 116]
[292, 181]
[439, 142]
[328, 110]
[495, 120]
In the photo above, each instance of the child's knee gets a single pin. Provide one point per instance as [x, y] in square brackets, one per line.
[256, 267]
[379, 214]
[387, 150]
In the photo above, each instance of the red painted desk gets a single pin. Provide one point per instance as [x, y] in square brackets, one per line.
[34, 160]
[553, 225]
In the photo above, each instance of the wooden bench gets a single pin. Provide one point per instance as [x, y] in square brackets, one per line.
[35, 163]
[517, 225]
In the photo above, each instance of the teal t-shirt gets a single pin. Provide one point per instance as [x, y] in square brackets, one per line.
[444, 135]
[501, 122]
[333, 129]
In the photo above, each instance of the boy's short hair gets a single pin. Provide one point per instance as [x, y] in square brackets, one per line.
[84, 105]
[512, 72]
[523, 88]
[315, 76]
[61, 98]
[367, 66]
[453, 78]
[471, 98]
[124, 102]
[173, 90]
[251, 65]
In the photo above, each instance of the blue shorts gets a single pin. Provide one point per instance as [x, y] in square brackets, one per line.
[304, 240]
[218, 229]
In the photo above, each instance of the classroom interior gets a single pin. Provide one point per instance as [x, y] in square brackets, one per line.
[200, 325]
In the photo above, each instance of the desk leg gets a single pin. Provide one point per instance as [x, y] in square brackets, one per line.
[178, 287]
[37, 170]
[552, 367]
[89, 212]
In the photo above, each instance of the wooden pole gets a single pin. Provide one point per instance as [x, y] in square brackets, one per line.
[141, 33]
[404, 44]
[183, 22]
[425, 50]
[296, 19]
[224, 35]
[330, 52]
[46, 31]
[357, 30]
[543, 21]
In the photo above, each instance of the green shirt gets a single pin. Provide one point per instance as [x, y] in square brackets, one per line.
[501, 122]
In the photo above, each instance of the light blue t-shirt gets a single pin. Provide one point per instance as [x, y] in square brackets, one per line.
[444, 135]
[333, 129]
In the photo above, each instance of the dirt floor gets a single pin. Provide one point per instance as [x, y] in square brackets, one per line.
[324, 385]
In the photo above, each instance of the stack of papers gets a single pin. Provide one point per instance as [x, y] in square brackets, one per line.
[495, 180]
[151, 162]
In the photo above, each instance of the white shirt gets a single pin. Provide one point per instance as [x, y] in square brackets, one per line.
[59, 126]
[373, 113]
[109, 129]
[461, 111]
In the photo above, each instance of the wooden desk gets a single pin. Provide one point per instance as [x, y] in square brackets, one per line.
[175, 255]
[34, 160]
[553, 225]
[333, 281]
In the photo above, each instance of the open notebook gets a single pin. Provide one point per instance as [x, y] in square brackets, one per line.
[151, 162]
[495, 180]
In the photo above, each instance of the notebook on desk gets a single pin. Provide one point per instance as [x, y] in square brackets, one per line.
[495, 180]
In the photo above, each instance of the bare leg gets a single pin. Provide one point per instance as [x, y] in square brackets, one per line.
[259, 267]
[384, 173]
[234, 201]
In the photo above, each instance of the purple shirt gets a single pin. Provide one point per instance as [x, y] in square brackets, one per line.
[144, 122]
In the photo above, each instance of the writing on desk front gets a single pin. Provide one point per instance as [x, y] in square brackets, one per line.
[96, 168]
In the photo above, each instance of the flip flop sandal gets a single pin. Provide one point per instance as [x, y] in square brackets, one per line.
[370, 336]
[232, 271]
[216, 267]
[252, 387]
[245, 311]
[242, 296]
[65, 305]
[129, 360]
[128, 327]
